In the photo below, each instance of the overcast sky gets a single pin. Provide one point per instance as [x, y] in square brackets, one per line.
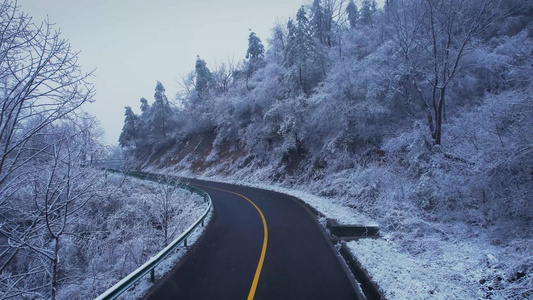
[134, 43]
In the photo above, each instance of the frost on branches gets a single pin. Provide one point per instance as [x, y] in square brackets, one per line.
[417, 114]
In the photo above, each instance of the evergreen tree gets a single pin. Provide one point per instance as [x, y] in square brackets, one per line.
[321, 22]
[159, 96]
[303, 54]
[128, 136]
[276, 51]
[145, 107]
[143, 126]
[317, 21]
[255, 55]
[367, 11]
[160, 112]
[290, 49]
[203, 77]
[353, 13]
[300, 43]
[256, 50]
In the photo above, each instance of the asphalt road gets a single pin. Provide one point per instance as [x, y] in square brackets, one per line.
[236, 258]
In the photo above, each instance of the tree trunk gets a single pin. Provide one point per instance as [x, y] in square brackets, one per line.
[300, 77]
[438, 117]
[55, 263]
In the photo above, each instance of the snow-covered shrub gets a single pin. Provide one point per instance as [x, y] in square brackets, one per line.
[121, 229]
[496, 141]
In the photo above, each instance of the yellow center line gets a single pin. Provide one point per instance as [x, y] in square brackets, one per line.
[265, 240]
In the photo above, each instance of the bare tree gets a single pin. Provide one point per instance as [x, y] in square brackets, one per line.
[169, 208]
[60, 186]
[40, 82]
[223, 75]
[451, 28]
[43, 143]
[188, 83]
[404, 26]
[66, 190]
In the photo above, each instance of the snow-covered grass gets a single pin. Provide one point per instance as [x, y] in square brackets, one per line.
[461, 269]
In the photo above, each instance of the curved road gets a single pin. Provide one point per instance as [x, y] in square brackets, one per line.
[258, 245]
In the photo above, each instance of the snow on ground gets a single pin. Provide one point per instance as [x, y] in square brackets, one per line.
[166, 266]
[469, 269]
[170, 262]
[133, 245]
[401, 276]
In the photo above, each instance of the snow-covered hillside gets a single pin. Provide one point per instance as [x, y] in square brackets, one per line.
[417, 115]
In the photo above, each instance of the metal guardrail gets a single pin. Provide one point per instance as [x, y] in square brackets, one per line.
[149, 266]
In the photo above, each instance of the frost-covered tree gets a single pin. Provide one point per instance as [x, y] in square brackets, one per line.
[167, 209]
[256, 50]
[321, 21]
[353, 13]
[143, 134]
[145, 107]
[255, 56]
[64, 192]
[160, 113]
[42, 217]
[318, 22]
[368, 9]
[45, 142]
[129, 133]
[451, 28]
[276, 51]
[303, 54]
[40, 83]
[203, 78]
[223, 77]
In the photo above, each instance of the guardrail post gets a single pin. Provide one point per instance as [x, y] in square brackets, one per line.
[152, 275]
[185, 242]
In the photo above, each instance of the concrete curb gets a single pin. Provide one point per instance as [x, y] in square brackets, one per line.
[339, 234]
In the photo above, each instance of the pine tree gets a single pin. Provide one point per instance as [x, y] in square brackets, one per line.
[159, 96]
[300, 43]
[143, 125]
[321, 22]
[256, 50]
[145, 107]
[255, 56]
[276, 51]
[128, 136]
[317, 21]
[367, 11]
[160, 112]
[353, 13]
[203, 77]
[303, 54]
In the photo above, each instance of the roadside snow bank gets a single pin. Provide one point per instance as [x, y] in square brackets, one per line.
[328, 207]
[447, 270]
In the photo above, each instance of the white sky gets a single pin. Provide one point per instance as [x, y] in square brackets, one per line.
[134, 43]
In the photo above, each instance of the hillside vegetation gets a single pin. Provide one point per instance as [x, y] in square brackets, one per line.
[419, 114]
